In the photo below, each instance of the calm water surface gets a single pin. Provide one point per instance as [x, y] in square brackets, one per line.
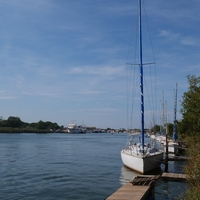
[66, 166]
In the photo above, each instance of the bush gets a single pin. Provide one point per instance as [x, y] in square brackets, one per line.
[192, 168]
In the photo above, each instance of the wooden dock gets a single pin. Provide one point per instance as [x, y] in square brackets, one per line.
[144, 179]
[173, 177]
[131, 192]
[142, 187]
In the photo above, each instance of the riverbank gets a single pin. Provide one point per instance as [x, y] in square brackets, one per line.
[23, 130]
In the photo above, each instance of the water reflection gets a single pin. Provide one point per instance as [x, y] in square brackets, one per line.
[163, 189]
[127, 175]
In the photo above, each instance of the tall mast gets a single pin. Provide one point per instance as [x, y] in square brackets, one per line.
[175, 137]
[163, 113]
[141, 75]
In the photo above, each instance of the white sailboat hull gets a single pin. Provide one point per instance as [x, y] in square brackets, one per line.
[142, 164]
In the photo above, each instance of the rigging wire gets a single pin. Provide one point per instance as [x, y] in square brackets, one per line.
[132, 78]
[150, 94]
[154, 59]
[131, 83]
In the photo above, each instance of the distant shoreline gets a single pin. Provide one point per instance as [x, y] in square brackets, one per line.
[20, 130]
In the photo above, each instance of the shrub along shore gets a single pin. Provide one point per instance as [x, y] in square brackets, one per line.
[15, 125]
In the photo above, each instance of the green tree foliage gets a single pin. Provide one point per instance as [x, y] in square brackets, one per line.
[3, 123]
[14, 124]
[170, 129]
[156, 129]
[191, 107]
[189, 128]
[41, 125]
[46, 125]
[192, 168]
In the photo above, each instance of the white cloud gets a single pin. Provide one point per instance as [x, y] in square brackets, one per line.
[188, 41]
[177, 37]
[91, 92]
[98, 70]
[169, 35]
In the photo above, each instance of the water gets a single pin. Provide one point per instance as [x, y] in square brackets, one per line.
[66, 166]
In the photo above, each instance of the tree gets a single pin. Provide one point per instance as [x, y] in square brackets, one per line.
[190, 129]
[41, 125]
[191, 107]
[14, 122]
[170, 128]
[156, 128]
[192, 168]
[45, 125]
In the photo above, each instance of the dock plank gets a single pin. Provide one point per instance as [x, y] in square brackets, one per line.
[144, 180]
[174, 177]
[130, 192]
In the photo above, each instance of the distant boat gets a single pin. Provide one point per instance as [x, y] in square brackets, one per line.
[138, 156]
[82, 128]
[175, 137]
[74, 128]
[172, 147]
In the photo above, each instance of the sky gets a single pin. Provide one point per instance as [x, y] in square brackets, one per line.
[64, 60]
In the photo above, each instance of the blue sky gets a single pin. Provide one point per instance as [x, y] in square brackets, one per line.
[64, 60]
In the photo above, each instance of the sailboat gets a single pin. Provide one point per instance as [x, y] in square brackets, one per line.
[175, 137]
[140, 157]
[173, 145]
